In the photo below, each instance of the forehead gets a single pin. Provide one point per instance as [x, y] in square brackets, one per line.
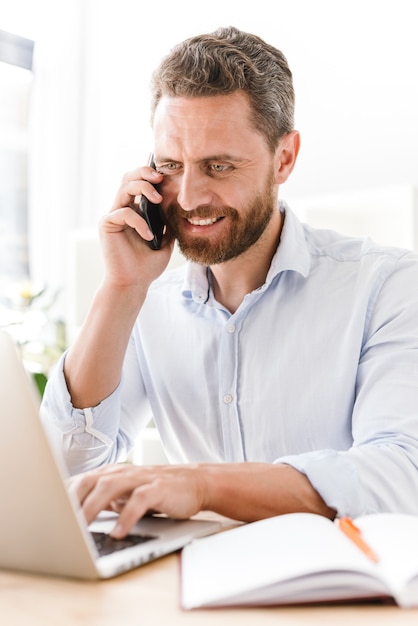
[209, 121]
[218, 106]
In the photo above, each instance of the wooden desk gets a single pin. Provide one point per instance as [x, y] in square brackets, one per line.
[149, 596]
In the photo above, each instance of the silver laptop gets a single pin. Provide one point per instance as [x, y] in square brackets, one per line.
[42, 529]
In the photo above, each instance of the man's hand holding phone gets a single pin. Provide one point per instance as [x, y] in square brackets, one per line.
[134, 229]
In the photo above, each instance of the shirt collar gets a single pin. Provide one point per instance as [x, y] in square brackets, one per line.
[292, 254]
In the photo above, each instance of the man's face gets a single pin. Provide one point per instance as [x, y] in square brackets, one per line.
[219, 189]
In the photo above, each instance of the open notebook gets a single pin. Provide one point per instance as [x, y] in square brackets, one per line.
[42, 529]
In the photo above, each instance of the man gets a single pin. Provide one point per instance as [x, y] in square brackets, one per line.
[280, 363]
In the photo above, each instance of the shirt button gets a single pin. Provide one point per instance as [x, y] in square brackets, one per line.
[230, 328]
[227, 398]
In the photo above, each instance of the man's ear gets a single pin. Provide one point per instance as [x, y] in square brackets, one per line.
[286, 155]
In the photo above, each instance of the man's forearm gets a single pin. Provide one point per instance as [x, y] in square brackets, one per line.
[252, 491]
[94, 363]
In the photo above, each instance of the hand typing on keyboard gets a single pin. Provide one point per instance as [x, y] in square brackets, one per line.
[242, 491]
[133, 491]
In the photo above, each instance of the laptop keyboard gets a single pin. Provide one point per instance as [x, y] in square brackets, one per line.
[105, 544]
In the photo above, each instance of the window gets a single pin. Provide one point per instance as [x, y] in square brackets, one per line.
[15, 84]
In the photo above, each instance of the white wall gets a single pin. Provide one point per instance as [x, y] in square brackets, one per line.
[355, 74]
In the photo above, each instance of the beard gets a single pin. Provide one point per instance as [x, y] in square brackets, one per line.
[243, 229]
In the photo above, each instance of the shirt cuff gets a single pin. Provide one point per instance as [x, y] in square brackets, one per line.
[334, 477]
[85, 437]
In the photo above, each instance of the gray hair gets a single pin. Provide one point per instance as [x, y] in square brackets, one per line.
[226, 61]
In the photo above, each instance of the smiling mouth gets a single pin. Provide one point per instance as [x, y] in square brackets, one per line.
[203, 222]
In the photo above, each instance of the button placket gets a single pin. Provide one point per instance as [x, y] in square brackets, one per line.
[228, 370]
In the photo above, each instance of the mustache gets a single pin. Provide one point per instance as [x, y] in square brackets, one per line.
[201, 212]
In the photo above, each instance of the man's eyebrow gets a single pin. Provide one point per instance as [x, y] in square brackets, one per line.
[205, 159]
[225, 157]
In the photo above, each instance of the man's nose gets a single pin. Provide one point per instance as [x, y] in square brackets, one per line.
[194, 190]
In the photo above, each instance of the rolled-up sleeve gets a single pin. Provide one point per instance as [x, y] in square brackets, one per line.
[93, 436]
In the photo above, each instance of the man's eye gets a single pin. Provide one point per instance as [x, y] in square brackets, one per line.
[167, 168]
[218, 168]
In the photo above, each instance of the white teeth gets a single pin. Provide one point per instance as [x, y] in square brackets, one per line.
[201, 222]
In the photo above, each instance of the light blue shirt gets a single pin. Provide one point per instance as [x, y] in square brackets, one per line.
[318, 368]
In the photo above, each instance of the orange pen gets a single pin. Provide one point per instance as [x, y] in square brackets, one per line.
[354, 533]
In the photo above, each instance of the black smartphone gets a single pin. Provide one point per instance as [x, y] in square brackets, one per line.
[153, 215]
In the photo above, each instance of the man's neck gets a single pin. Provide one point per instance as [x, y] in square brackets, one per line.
[234, 279]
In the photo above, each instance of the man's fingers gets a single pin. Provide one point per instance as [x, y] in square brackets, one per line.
[119, 219]
[137, 183]
[136, 506]
[80, 486]
[141, 173]
[106, 489]
[133, 491]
